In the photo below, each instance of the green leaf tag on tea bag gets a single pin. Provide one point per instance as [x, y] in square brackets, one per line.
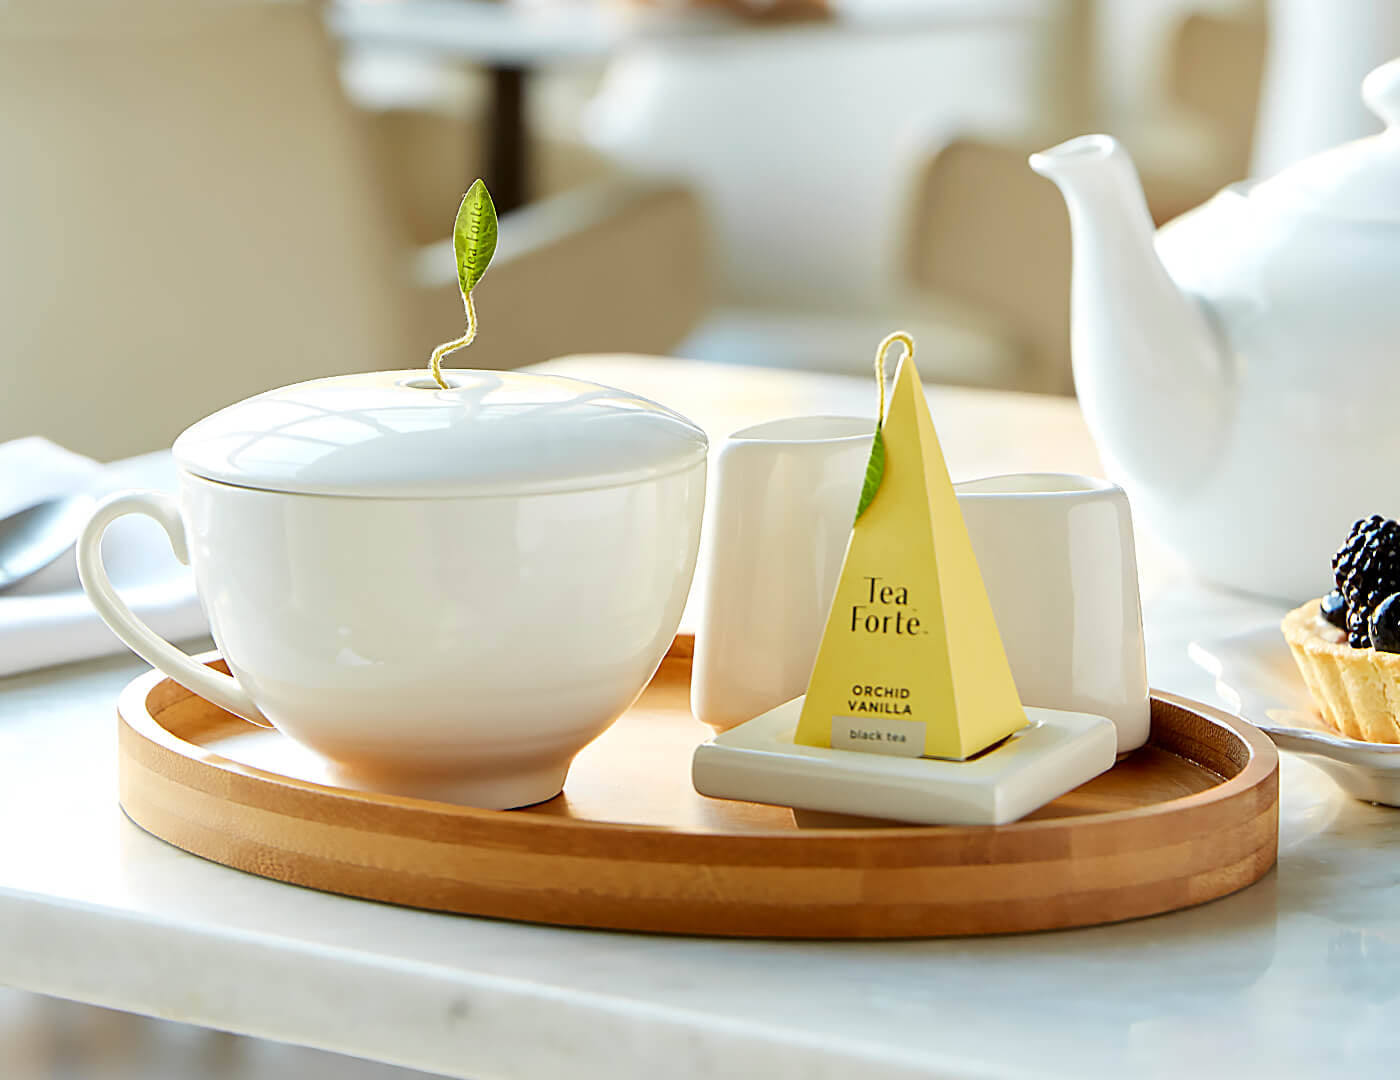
[473, 244]
[874, 471]
[875, 466]
[474, 236]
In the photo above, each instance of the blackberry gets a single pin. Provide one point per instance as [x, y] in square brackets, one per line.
[1367, 571]
[1334, 609]
[1358, 632]
[1385, 624]
[1350, 552]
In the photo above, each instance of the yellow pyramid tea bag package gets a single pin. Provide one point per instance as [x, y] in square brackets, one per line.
[911, 661]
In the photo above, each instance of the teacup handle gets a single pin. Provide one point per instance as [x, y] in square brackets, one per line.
[214, 686]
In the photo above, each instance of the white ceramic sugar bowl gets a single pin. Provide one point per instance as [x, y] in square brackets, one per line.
[444, 592]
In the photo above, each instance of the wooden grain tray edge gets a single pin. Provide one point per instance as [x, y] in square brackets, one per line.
[145, 741]
[1248, 853]
[907, 882]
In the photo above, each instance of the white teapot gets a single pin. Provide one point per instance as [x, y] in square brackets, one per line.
[1240, 369]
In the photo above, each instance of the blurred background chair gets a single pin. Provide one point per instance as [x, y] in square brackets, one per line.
[800, 140]
[194, 213]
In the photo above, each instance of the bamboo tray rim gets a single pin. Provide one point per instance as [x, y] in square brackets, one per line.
[1262, 760]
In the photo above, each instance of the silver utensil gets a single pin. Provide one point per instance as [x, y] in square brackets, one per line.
[32, 538]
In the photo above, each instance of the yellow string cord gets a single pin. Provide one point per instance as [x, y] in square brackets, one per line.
[456, 343]
[903, 339]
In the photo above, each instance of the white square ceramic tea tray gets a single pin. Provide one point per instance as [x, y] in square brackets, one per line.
[758, 761]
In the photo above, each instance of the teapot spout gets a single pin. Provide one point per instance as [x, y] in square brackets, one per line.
[1148, 367]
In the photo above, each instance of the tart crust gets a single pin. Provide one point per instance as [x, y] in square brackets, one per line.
[1356, 690]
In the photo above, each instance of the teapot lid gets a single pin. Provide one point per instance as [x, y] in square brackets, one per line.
[1359, 180]
[398, 434]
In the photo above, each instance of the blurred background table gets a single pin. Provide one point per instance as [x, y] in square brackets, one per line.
[510, 40]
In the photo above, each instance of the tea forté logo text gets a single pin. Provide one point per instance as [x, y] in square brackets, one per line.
[886, 611]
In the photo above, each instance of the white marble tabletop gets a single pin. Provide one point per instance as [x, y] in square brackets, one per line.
[1295, 976]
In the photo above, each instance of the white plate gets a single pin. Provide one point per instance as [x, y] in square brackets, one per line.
[759, 762]
[1255, 675]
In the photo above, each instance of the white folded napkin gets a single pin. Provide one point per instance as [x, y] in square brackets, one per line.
[46, 619]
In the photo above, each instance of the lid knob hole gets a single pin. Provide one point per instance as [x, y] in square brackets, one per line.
[429, 383]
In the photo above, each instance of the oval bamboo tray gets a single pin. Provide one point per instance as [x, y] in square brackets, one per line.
[630, 845]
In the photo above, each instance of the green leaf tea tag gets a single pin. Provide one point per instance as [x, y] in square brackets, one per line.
[875, 466]
[874, 471]
[473, 242]
[474, 236]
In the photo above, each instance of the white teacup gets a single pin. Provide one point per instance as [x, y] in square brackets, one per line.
[451, 592]
[1056, 553]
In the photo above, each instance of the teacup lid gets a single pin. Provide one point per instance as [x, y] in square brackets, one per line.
[397, 434]
[1359, 180]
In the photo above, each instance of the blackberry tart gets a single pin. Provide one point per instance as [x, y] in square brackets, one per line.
[1347, 644]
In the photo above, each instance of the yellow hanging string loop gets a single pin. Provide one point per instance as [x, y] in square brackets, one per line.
[456, 343]
[898, 337]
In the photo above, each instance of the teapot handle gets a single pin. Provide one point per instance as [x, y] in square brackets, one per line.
[214, 686]
[1381, 92]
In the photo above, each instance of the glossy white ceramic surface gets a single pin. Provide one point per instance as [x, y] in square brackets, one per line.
[396, 434]
[1356, 180]
[1238, 374]
[1255, 673]
[1059, 561]
[780, 517]
[1056, 552]
[759, 762]
[1316, 56]
[462, 649]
